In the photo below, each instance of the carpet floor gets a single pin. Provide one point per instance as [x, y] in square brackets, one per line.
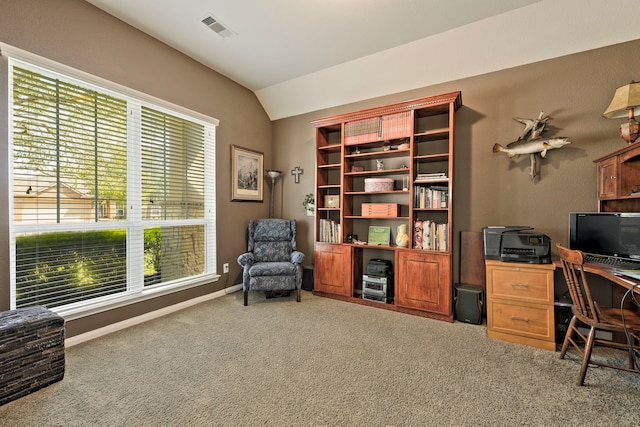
[320, 362]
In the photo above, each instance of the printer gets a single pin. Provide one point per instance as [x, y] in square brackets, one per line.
[516, 244]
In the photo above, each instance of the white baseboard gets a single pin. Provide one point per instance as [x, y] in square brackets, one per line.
[96, 333]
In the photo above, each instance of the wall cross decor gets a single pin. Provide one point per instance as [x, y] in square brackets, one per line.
[297, 171]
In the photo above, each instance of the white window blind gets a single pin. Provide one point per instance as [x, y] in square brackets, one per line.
[69, 146]
[172, 167]
[111, 194]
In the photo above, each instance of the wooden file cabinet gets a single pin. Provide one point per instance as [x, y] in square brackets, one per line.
[520, 303]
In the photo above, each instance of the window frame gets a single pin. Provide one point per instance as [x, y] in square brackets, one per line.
[135, 225]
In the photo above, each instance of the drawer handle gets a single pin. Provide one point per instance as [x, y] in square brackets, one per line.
[521, 285]
[521, 319]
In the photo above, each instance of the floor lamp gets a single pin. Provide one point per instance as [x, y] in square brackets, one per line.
[274, 175]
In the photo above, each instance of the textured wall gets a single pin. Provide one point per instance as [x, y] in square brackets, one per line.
[489, 188]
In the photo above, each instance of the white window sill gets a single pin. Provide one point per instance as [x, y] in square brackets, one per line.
[88, 308]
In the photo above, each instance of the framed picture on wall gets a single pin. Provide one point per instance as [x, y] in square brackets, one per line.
[247, 172]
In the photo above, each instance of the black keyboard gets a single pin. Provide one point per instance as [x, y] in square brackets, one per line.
[612, 262]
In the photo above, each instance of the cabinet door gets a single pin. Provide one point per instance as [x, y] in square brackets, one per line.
[608, 178]
[424, 281]
[332, 272]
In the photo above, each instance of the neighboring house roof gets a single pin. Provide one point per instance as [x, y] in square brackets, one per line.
[36, 185]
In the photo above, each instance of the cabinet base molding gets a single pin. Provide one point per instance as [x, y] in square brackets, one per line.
[532, 342]
[390, 307]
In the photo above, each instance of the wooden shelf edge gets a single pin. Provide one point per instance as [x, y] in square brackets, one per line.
[405, 218]
[431, 103]
[388, 153]
[368, 193]
[332, 147]
[432, 132]
[439, 156]
[378, 172]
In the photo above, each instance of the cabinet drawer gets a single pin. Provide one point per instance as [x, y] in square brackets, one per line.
[528, 320]
[521, 284]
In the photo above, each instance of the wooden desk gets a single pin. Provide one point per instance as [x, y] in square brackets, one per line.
[613, 274]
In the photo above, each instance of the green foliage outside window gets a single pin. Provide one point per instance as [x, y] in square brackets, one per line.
[58, 268]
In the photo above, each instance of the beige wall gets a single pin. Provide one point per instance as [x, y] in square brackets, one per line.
[489, 188]
[76, 34]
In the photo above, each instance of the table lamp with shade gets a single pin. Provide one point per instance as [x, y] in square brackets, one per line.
[626, 103]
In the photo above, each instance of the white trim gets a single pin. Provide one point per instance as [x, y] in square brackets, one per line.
[114, 327]
[90, 307]
[134, 224]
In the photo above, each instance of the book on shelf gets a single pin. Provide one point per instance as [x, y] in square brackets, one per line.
[379, 235]
[329, 231]
[361, 131]
[430, 235]
[431, 197]
[426, 177]
[391, 126]
[394, 126]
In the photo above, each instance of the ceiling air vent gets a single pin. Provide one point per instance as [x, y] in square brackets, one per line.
[217, 26]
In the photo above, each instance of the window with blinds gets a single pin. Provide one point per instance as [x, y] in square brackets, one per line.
[69, 151]
[172, 167]
[111, 194]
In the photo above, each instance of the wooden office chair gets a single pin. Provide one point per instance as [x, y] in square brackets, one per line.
[586, 311]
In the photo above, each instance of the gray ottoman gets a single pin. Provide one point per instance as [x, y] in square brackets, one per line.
[31, 351]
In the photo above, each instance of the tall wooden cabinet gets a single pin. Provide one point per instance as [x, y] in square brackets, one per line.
[408, 144]
[619, 180]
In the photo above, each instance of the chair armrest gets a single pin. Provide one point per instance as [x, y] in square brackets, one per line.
[297, 257]
[246, 259]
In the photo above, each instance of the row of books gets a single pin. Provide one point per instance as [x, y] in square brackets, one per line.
[430, 197]
[387, 127]
[329, 231]
[430, 235]
[362, 131]
[396, 125]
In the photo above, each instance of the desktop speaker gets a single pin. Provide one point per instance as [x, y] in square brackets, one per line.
[468, 303]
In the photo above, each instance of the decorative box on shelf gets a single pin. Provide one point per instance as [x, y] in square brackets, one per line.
[332, 201]
[372, 185]
[380, 210]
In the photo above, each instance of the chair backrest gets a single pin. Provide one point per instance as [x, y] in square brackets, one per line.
[272, 239]
[572, 267]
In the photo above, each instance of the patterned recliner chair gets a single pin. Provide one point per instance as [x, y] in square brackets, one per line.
[271, 262]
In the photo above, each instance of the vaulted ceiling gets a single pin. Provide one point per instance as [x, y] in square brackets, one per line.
[303, 55]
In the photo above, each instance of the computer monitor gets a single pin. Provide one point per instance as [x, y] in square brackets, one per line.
[613, 234]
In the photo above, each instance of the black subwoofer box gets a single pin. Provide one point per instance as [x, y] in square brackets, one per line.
[468, 303]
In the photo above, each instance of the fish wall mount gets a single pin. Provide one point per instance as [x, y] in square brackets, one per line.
[532, 143]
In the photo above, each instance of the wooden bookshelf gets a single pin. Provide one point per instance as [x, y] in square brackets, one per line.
[409, 139]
